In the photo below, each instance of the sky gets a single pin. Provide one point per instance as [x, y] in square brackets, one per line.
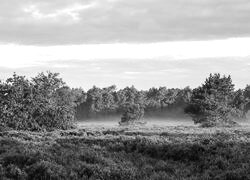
[145, 43]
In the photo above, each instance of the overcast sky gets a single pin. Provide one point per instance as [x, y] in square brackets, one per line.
[173, 43]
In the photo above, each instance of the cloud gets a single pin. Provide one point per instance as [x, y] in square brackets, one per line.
[46, 22]
[174, 70]
[16, 56]
[132, 72]
[72, 11]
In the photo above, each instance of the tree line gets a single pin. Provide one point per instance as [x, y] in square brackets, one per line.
[46, 102]
[108, 101]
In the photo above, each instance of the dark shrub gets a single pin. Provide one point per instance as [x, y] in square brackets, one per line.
[46, 170]
[13, 172]
[132, 113]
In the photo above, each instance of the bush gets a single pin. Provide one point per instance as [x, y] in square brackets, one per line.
[45, 102]
[132, 114]
[161, 176]
[15, 172]
[47, 170]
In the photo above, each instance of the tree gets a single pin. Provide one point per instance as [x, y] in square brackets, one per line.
[246, 95]
[211, 103]
[45, 102]
[108, 100]
[16, 104]
[239, 103]
[54, 103]
[155, 98]
[94, 101]
[132, 114]
[78, 96]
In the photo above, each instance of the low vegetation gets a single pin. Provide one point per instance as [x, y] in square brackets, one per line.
[126, 154]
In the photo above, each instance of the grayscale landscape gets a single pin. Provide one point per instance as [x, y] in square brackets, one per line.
[124, 90]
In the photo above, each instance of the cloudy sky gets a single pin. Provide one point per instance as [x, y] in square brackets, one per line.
[173, 43]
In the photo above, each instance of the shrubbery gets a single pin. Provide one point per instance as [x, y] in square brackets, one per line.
[208, 157]
[132, 113]
[44, 102]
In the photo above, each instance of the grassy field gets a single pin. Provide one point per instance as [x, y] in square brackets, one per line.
[111, 152]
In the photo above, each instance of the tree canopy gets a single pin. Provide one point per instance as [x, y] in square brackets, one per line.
[214, 103]
[46, 102]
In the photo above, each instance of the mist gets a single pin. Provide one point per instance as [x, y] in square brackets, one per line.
[154, 119]
[172, 117]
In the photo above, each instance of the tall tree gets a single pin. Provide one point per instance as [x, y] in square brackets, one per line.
[51, 109]
[210, 103]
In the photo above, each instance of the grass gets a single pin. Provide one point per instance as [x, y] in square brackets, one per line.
[183, 153]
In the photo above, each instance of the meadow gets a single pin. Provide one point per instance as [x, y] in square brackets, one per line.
[112, 152]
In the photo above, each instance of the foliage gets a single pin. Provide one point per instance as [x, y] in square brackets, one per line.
[211, 103]
[148, 156]
[16, 104]
[132, 113]
[109, 101]
[45, 102]
[239, 103]
[246, 95]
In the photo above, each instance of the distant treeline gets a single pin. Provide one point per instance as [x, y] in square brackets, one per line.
[45, 101]
[216, 100]
[100, 102]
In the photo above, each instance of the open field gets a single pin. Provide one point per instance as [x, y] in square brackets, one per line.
[151, 122]
[111, 152]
